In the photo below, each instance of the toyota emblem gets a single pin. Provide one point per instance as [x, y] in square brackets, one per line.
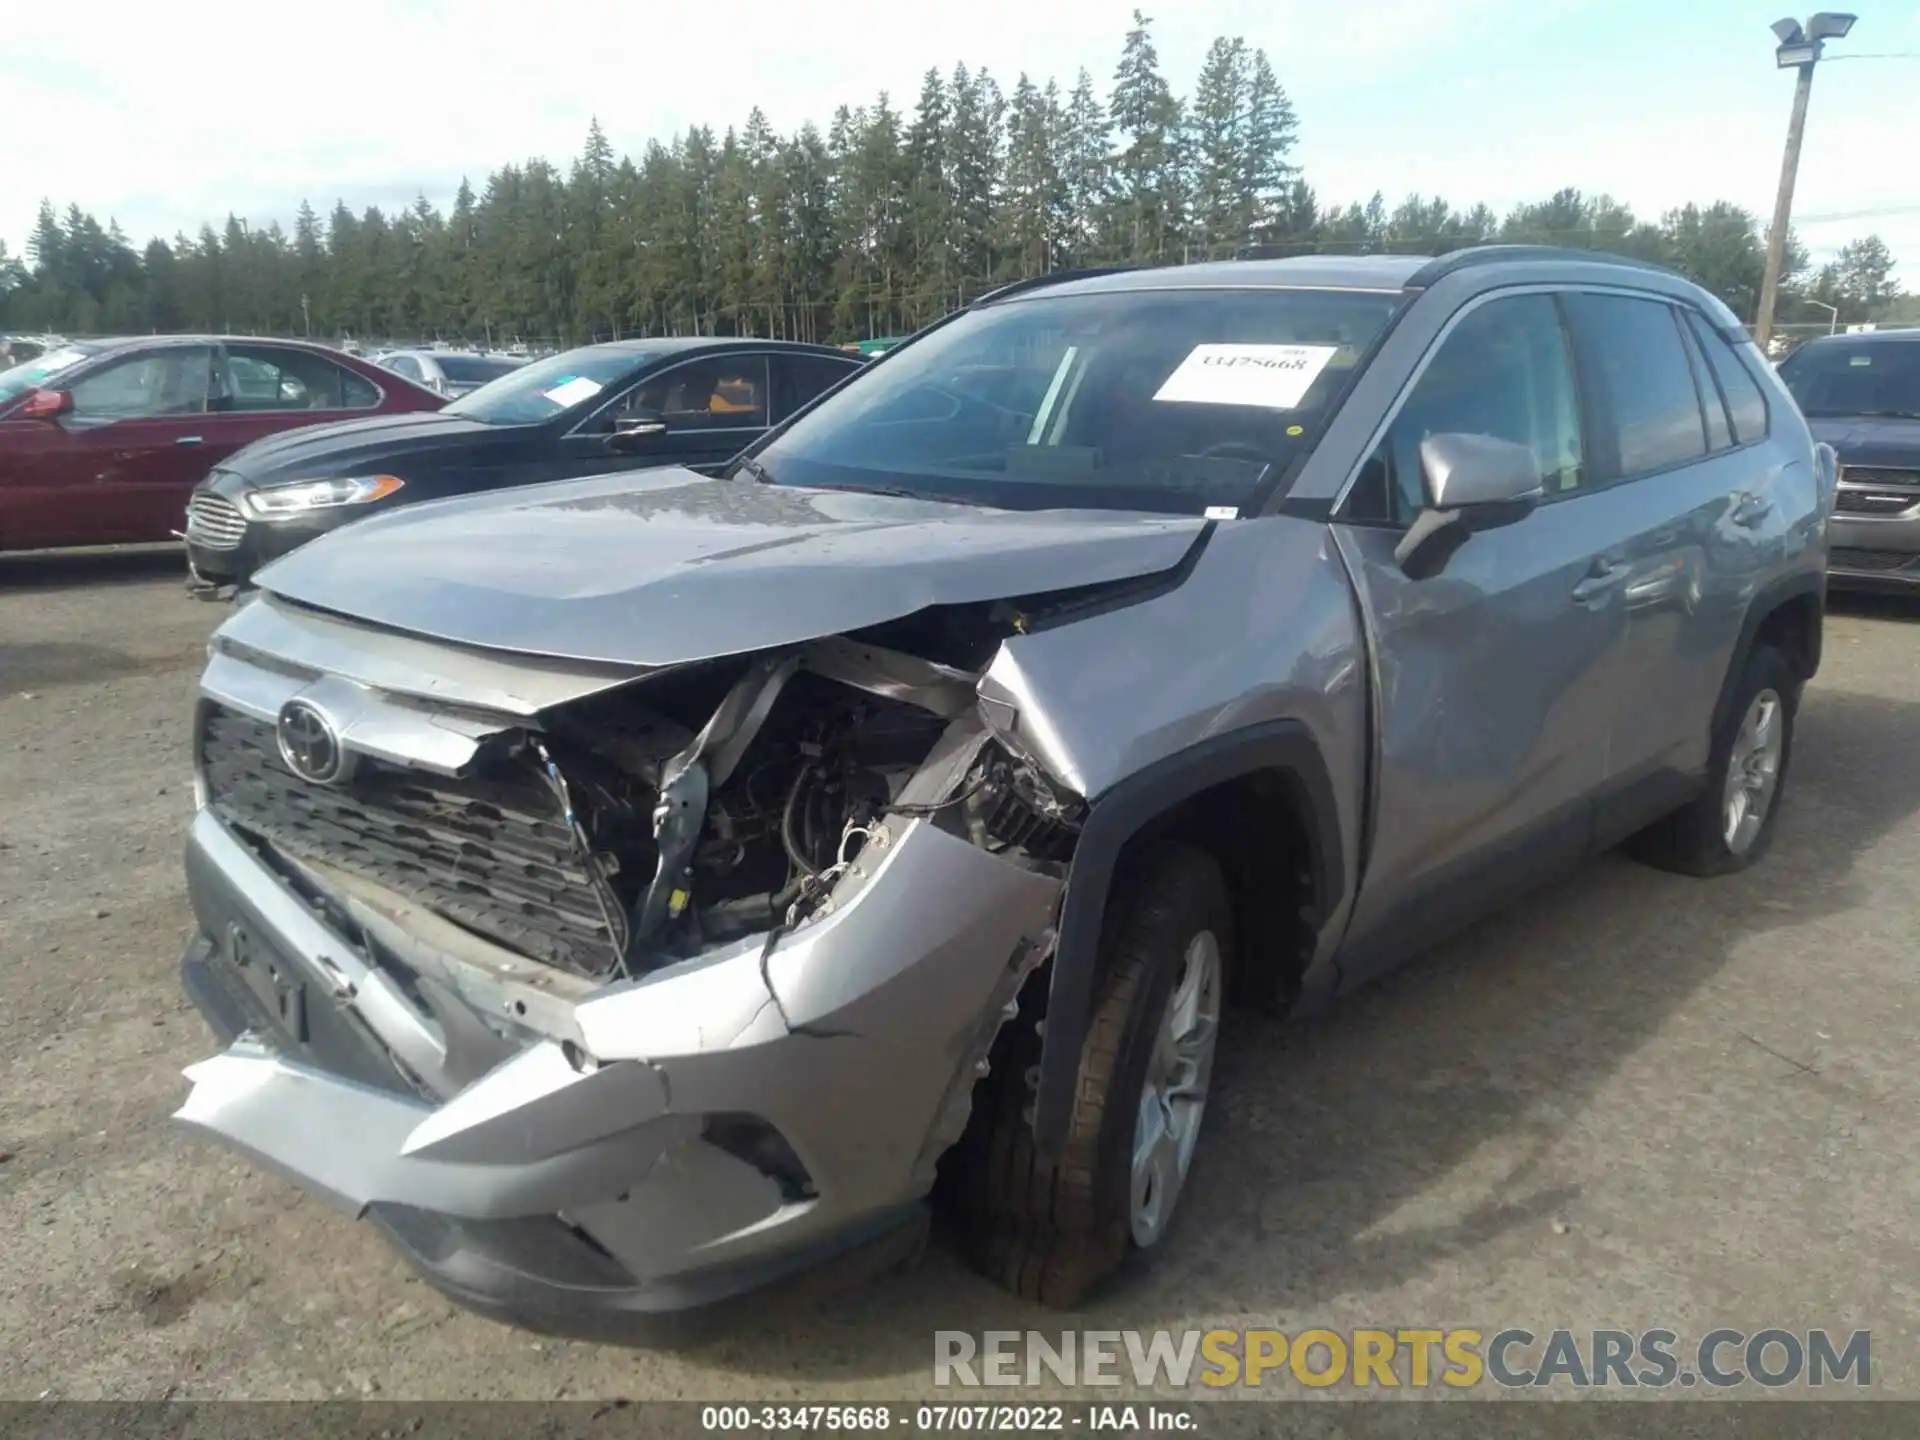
[309, 744]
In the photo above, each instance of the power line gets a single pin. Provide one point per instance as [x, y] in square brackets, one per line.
[1880, 213]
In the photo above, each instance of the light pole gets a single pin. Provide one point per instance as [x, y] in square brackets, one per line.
[1799, 49]
[1833, 310]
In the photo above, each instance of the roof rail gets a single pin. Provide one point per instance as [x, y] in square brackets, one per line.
[1052, 277]
[1466, 259]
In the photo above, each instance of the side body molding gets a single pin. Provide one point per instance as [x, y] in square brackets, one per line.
[1285, 746]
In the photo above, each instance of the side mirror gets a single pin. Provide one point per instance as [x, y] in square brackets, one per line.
[1474, 483]
[47, 405]
[633, 430]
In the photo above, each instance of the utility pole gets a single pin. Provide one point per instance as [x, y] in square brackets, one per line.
[1799, 49]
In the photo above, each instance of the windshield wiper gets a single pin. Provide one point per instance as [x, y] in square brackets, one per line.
[753, 467]
[898, 492]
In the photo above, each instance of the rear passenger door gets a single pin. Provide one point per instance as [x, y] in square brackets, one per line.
[1693, 519]
[264, 388]
[1498, 679]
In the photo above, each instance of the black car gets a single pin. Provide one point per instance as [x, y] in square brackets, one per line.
[1861, 395]
[628, 405]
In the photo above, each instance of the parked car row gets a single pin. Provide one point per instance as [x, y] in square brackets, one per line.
[257, 446]
[631, 890]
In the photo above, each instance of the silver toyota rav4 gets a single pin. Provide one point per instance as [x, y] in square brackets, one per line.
[628, 892]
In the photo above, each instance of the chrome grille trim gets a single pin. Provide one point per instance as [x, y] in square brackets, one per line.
[215, 523]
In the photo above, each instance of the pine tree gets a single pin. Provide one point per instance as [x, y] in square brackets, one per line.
[930, 199]
[1223, 204]
[1147, 217]
[1086, 167]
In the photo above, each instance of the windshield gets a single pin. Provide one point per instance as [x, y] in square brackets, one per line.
[1175, 401]
[475, 369]
[37, 371]
[529, 394]
[1872, 378]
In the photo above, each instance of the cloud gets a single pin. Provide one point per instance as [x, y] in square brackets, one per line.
[165, 125]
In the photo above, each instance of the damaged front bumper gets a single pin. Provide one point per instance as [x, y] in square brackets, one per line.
[652, 1145]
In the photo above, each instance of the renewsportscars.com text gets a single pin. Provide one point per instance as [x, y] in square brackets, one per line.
[1414, 1358]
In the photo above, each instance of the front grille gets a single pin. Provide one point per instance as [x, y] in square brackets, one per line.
[1881, 475]
[1847, 557]
[1874, 502]
[214, 522]
[492, 853]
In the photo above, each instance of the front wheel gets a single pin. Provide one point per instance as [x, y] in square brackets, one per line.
[1052, 1230]
[1730, 824]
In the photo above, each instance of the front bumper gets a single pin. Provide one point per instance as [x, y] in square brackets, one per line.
[579, 1195]
[1874, 551]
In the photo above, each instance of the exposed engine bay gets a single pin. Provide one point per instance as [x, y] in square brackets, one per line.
[652, 822]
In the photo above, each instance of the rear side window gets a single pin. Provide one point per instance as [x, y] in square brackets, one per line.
[1633, 357]
[1746, 406]
[807, 375]
[265, 377]
[1712, 405]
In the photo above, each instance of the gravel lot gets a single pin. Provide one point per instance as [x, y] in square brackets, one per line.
[1636, 1100]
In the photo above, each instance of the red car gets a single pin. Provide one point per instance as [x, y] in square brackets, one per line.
[102, 441]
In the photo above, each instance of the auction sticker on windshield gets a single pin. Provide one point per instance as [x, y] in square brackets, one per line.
[1275, 377]
[572, 391]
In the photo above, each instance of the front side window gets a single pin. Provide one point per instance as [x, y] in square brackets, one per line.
[1171, 400]
[546, 389]
[406, 366]
[724, 392]
[1855, 377]
[1503, 371]
[152, 383]
[1639, 367]
[264, 377]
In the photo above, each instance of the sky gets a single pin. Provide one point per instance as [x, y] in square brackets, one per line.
[163, 117]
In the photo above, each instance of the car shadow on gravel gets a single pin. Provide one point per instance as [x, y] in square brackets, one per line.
[1330, 1145]
[86, 569]
[30, 667]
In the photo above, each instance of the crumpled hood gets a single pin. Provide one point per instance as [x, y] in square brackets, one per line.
[1877, 440]
[350, 447]
[666, 566]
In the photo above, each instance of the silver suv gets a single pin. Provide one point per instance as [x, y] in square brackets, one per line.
[630, 891]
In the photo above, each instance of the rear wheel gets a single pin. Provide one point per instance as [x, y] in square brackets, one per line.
[1730, 824]
[1052, 1230]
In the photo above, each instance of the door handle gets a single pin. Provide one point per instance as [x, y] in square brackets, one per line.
[1602, 575]
[188, 440]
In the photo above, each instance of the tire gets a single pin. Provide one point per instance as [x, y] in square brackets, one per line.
[1050, 1231]
[1695, 840]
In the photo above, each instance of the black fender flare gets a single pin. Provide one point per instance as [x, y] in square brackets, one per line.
[1768, 599]
[1284, 746]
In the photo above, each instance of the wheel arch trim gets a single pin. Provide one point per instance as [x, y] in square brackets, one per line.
[1767, 601]
[1286, 747]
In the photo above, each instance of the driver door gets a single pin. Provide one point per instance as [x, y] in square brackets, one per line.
[1496, 677]
[713, 408]
[119, 467]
